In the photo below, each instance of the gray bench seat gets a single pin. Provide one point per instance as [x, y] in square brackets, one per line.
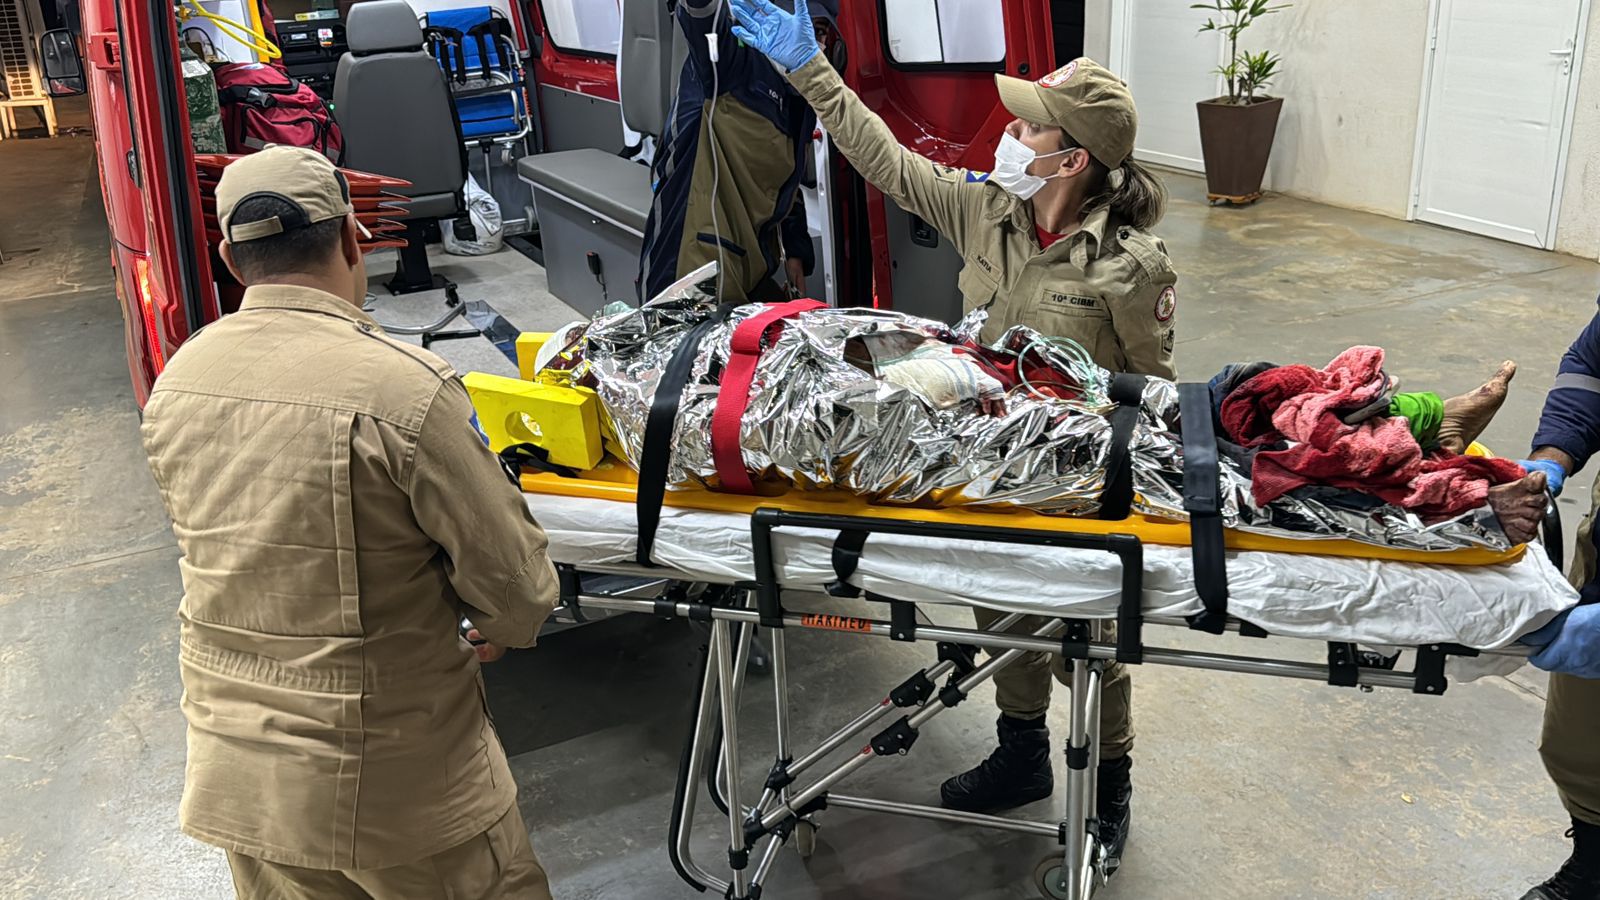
[608, 186]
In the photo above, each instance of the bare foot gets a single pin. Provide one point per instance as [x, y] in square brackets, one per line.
[1466, 416]
[1520, 507]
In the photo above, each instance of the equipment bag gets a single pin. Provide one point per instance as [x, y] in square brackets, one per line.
[262, 105]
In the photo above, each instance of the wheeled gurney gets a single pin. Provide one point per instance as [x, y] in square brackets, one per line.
[778, 562]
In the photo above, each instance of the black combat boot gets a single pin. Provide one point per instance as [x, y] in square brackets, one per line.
[1017, 772]
[1115, 810]
[1579, 876]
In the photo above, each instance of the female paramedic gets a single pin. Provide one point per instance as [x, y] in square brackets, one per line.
[1056, 238]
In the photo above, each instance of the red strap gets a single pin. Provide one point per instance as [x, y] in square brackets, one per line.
[733, 398]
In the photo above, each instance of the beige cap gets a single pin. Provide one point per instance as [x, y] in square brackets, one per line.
[299, 176]
[1084, 99]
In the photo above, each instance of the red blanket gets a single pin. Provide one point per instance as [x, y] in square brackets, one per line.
[1301, 405]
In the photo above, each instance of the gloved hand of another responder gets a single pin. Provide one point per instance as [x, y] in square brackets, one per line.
[1555, 475]
[788, 40]
[1571, 643]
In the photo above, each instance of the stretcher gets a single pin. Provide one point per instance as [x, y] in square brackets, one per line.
[787, 561]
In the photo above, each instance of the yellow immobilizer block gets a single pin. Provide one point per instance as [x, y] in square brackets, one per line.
[528, 346]
[565, 421]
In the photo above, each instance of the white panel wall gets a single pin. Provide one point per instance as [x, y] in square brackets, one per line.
[1352, 86]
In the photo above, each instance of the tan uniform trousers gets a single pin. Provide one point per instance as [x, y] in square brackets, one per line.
[1022, 689]
[1570, 745]
[496, 865]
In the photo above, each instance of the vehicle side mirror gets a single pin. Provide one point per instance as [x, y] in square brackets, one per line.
[63, 67]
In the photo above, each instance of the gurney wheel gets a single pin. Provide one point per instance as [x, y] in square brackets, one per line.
[805, 838]
[1047, 878]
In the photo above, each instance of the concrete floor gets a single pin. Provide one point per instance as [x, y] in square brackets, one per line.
[1247, 787]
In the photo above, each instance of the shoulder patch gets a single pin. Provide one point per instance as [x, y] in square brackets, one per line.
[1166, 304]
[478, 427]
[977, 177]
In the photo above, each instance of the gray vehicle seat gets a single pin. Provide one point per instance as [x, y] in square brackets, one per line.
[592, 205]
[395, 110]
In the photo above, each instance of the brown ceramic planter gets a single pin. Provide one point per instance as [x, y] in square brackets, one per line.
[1236, 142]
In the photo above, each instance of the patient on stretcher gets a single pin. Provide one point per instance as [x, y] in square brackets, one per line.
[904, 410]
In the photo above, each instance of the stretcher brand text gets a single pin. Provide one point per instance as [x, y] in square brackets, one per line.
[835, 623]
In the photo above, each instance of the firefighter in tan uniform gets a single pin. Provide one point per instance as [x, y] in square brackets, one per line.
[338, 515]
[1056, 237]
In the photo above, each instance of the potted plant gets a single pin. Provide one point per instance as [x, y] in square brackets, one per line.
[1236, 130]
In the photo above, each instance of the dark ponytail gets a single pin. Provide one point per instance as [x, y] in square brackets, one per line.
[1134, 194]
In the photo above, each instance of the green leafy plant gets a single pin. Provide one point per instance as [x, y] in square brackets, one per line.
[1256, 73]
[1245, 72]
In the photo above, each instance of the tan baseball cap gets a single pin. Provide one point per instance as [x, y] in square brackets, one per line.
[301, 177]
[1084, 99]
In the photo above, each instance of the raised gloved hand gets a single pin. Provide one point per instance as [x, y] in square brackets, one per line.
[788, 40]
[1575, 648]
[1555, 475]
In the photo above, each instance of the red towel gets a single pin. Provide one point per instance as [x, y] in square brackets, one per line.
[1379, 457]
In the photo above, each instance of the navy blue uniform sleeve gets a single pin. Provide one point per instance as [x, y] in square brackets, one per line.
[797, 235]
[1571, 418]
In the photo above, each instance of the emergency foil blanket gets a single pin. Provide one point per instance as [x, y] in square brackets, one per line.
[822, 414]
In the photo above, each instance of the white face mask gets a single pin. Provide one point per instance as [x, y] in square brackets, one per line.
[1011, 161]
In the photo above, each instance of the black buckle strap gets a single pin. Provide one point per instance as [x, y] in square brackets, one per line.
[1202, 499]
[846, 557]
[656, 456]
[1127, 392]
[517, 456]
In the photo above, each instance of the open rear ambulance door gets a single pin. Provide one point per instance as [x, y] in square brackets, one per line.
[927, 67]
[169, 284]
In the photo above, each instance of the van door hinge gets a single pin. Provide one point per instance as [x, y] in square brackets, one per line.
[105, 51]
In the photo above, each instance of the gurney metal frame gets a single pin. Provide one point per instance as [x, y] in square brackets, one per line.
[786, 806]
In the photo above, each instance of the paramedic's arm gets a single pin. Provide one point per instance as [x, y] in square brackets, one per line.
[940, 195]
[1144, 319]
[1569, 428]
[494, 550]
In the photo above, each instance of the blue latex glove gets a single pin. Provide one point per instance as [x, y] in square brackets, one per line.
[788, 40]
[1554, 475]
[1575, 649]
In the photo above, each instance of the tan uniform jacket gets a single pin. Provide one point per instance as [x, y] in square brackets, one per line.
[337, 512]
[1110, 287]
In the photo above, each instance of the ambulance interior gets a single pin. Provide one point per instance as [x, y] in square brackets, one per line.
[556, 119]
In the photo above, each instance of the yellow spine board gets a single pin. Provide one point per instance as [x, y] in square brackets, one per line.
[616, 482]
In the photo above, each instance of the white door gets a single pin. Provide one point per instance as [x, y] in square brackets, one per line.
[1157, 47]
[1501, 79]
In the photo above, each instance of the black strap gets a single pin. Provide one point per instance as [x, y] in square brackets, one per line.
[1203, 501]
[519, 456]
[656, 456]
[485, 64]
[497, 30]
[442, 39]
[846, 557]
[1127, 392]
